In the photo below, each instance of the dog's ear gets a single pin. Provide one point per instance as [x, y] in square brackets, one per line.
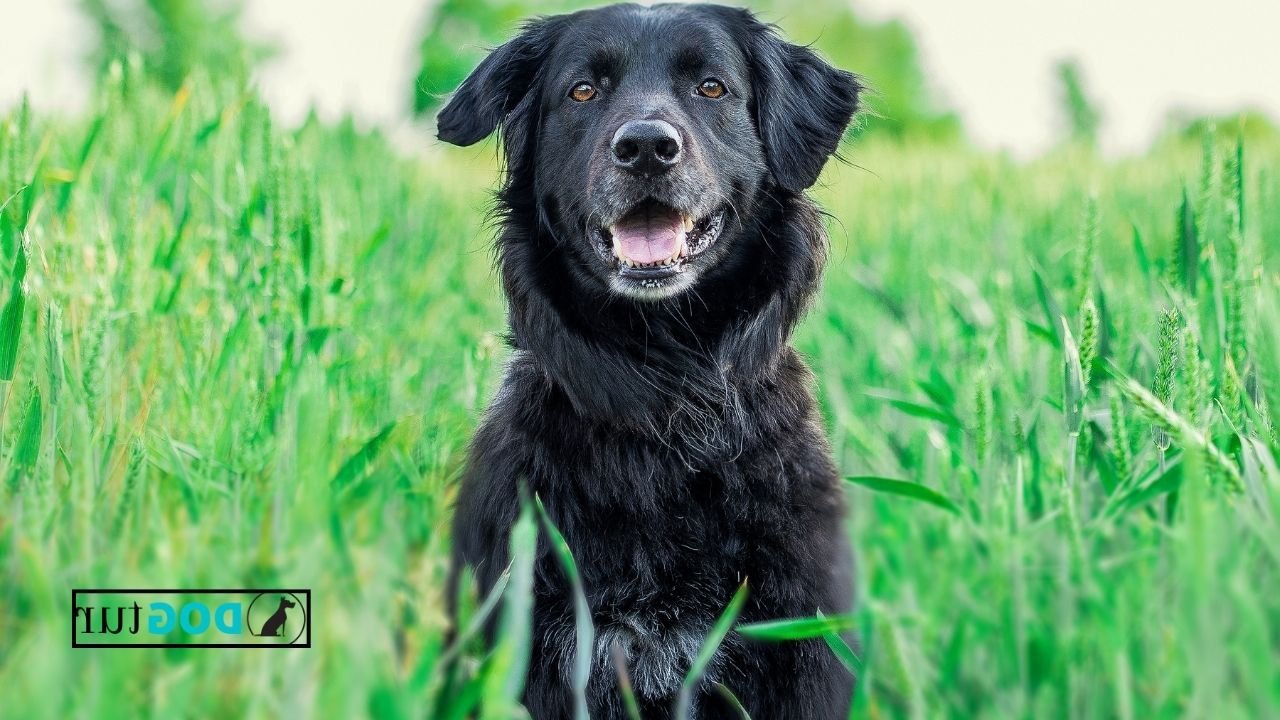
[499, 83]
[803, 106]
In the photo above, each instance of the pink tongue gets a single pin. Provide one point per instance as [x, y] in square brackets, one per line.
[648, 237]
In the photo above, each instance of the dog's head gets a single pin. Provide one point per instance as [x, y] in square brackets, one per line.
[647, 136]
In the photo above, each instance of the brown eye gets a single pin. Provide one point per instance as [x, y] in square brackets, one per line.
[712, 88]
[582, 92]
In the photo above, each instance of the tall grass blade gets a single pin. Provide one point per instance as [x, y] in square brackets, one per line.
[628, 693]
[1049, 306]
[585, 630]
[684, 700]
[903, 488]
[27, 452]
[920, 410]
[12, 315]
[1073, 382]
[505, 678]
[732, 700]
[845, 654]
[1187, 259]
[478, 620]
[358, 465]
[798, 628]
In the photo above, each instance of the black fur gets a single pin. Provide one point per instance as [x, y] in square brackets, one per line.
[674, 437]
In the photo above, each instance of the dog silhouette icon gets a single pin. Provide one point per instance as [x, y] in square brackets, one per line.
[273, 625]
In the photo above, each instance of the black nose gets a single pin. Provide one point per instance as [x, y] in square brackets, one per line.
[647, 147]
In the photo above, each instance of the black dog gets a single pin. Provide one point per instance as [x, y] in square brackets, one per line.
[273, 625]
[657, 249]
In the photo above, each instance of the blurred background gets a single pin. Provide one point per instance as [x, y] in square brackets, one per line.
[1003, 74]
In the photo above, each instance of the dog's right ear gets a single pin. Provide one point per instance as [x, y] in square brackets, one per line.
[499, 84]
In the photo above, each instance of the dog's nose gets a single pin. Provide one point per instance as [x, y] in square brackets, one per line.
[647, 147]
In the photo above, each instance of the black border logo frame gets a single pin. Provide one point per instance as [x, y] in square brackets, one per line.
[300, 592]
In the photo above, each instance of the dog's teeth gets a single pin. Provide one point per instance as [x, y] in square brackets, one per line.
[680, 251]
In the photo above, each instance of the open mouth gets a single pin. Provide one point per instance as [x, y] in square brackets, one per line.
[653, 241]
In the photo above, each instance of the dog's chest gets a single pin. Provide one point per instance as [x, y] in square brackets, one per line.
[656, 584]
[692, 511]
[666, 526]
[659, 525]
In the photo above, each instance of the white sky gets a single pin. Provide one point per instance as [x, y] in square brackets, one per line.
[992, 60]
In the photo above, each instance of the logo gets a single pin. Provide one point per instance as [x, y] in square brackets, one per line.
[223, 618]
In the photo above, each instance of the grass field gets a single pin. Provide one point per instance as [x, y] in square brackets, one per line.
[233, 354]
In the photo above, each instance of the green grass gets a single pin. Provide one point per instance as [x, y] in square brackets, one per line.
[234, 354]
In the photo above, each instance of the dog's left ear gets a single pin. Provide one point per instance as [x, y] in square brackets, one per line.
[803, 106]
[497, 85]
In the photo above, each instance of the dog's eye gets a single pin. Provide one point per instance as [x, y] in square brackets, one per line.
[582, 92]
[712, 88]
